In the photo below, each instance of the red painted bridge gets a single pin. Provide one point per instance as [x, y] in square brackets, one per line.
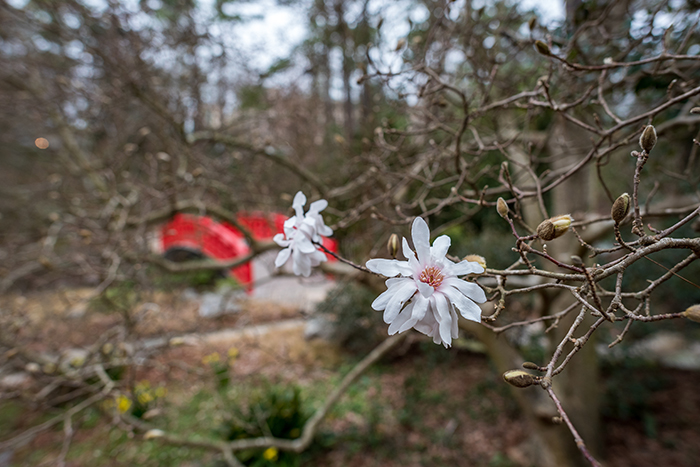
[188, 237]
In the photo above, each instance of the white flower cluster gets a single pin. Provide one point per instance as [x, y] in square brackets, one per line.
[427, 291]
[300, 231]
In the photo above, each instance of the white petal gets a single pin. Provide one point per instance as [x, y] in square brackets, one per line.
[389, 267]
[299, 199]
[298, 204]
[455, 324]
[301, 264]
[403, 293]
[443, 317]
[308, 226]
[282, 257]
[421, 240]
[410, 256]
[425, 289]
[418, 310]
[426, 327]
[440, 247]
[470, 289]
[317, 257]
[290, 223]
[463, 267]
[318, 206]
[324, 229]
[467, 308]
[303, 244]
[393, 281]
[279, 239]
[398, 323]
[407, 252]
[380, 302]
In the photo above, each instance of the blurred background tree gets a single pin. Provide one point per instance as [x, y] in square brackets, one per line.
[387, 109]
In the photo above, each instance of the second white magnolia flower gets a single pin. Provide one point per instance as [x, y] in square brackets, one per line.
[427, 291]
[300, 231]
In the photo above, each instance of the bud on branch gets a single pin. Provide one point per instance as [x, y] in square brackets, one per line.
[620, 208]
[692, 313]
[393, 245]
[648, 139]
[519, 378]
[554, 227]
[502, 208]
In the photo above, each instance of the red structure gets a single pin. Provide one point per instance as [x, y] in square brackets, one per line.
[188, 237]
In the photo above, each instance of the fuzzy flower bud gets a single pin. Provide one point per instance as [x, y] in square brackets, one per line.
[620, 208]
[502, 208]
[693, 313]
[542, 48]
[519, 378]
[554, 227]
[393, 245]
[648, 138]
[480, 260]
[531, 366]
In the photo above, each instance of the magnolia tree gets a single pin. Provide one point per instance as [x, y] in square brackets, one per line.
[554, 159]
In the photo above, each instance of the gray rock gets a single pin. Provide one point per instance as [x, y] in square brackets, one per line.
[6, 458]
[14, 381]
[213, 304]
[319, 327]
[669, 349]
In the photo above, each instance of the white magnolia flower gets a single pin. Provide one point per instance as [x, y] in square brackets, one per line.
[300, 231]
[427, 291]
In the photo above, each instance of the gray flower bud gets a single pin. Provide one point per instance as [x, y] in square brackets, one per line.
[542, 48]
[554, 227]
[620, 208]
[519, 378]
[648, 138]
[692, 313]
[393, 245]
[502, 208]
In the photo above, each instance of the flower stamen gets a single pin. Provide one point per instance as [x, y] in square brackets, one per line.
[431, 276]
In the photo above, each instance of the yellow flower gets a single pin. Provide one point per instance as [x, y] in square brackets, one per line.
[161, 391]
[270, 453]
[144, 398]
[211, 358]
[123, 403]
[232, 353]
[143, 385]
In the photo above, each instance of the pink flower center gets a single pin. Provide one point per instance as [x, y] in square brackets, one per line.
[431, 276]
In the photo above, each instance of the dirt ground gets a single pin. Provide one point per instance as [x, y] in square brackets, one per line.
[421, 406]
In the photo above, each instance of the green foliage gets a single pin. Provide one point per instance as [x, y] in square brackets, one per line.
[252, 96]
[220, 367]
[279, 65]
[119, 296]
[273, 410]
[357, 327]
[10, 414]
[145, 398]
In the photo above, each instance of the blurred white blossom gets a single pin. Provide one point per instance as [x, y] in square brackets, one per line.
[427, 291]
[300, 231]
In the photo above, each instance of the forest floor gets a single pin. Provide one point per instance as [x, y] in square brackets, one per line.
[422, 406]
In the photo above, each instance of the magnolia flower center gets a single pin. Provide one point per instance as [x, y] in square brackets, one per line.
[431, 276]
